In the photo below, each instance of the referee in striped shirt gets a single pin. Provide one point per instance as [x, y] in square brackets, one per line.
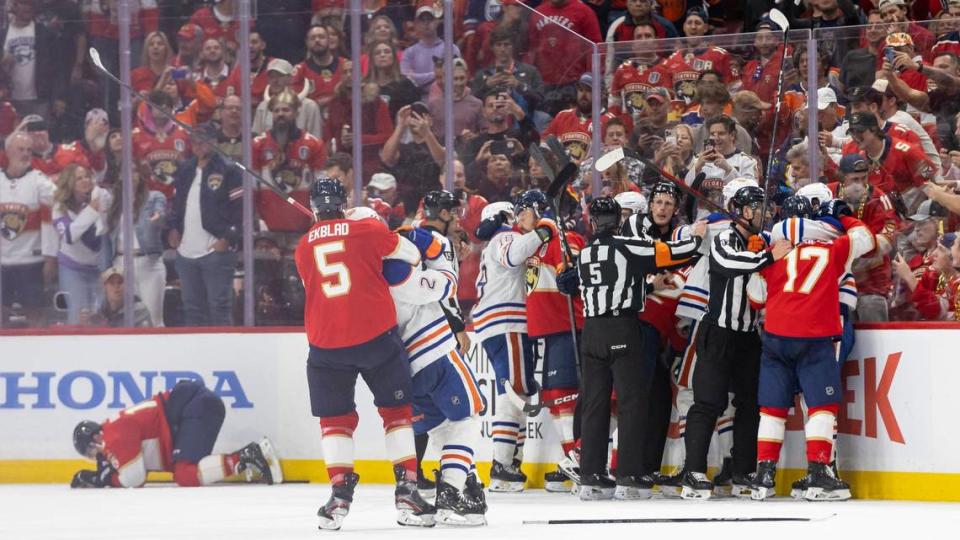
[612, 270]
[728, 348]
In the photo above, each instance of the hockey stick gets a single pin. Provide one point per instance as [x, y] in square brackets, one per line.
[673, 520]
[777, 17]
[95, 58]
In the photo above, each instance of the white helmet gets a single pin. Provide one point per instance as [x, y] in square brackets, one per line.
[730, 188]
[362, 212]
[633, 201]
[492, 209]
[816, 192]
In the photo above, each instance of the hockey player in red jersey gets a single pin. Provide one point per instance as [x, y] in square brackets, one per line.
[289, 157]
[802, 322]
[160, 143]
[351, 325]
[173, 431]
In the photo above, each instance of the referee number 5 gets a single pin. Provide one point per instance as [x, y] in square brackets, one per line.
[595, 275]
[339, 284]
[820, 255]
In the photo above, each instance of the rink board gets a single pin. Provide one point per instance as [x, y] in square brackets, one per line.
[897, 419]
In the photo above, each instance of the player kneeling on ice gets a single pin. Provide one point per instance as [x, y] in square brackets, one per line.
[173, 431]
[802, 323]
[446, 398]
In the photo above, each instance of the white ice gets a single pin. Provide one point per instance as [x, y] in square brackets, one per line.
[239, 512]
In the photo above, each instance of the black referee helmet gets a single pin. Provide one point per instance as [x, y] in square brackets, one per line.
[605, 215]
[751, 196]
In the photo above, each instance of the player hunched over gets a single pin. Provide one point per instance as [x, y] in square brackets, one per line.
[802, 322]
[691, 307]
[440, 219]
[500, 319]
[341, 265]
[446, 397]
[173, 431]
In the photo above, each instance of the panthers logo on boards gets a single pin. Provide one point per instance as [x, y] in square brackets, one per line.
[13, 220]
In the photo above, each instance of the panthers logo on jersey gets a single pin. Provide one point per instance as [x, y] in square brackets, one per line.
[577, 150]
[533, 274]
[13, 219]
[164, 170]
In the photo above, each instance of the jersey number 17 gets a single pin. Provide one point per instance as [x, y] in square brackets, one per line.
[821, 257]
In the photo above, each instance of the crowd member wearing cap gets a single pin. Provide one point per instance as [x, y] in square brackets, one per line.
[896, 165]
[760, 74]
[381, 195]
[111, 312]
[205, 225]
[522, 80]
[467, 108]
[395, 88]
[639, 74]
[573, 126]
[417, 61]
[894, 13]
[279, 80]
[875, 209]
[899, 124]
[858, 67]
[699, 54]
[322, 68]
[917, 256]
[90, 150]
[906, 61]
[259, 78]
[189, 42]
[220, 22]
[149, 219]
[936, 295]
[943, 101]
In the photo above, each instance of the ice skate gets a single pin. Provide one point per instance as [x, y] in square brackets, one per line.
[823, 485]
[741, 487]
[723, 481]
[474, 491]
[556, 482]
[695, 486]
[570, 465]
[426, 486]
[455, 508]
[798, 487]
[670, 485]
[412, 510]
[258, 462]
[763, 482]
[631, 488]
[597, 487]
[506, 478]
[331, 514]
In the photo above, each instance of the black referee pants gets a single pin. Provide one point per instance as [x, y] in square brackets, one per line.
[613, 358]
[727, 360]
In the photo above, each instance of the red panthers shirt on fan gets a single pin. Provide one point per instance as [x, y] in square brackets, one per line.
[291, 168]
[161, 148]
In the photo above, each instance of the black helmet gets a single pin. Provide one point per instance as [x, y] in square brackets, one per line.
[795, 206]
[605, 215]
[747, 196]
[437, 200]
[667, 188]
[83, 435]
[327, 195]
[532, 198]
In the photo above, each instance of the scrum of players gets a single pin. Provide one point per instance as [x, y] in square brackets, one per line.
[411, 356]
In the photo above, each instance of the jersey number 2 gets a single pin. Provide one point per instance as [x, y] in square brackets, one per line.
[340, 284]
[805, 253]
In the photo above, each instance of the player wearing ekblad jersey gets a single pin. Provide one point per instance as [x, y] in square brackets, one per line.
[500, 320]
[340, 263]
[173, 431]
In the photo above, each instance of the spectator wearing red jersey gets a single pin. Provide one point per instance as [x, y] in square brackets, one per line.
[43, 149]
[321, 67]
[381, 195]
[760, 75]
[916, 258]
[881, 101]
[512, 19]
[574, 126]
[906, 60]
[90, 150]
[560, 57]
[160, 143]
[220, 22]
[894, 13]
[189, 44]
[936, 295]
[213, 67]
[697, 52]
[157, 58]
[638, 75]
[906, 167]
[259, 78]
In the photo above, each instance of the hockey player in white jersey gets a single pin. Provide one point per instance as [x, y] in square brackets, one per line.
[447, 400]
[500, 320]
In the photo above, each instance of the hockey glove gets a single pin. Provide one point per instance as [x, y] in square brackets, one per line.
[834, 209]
[489, 227]
[568, 282]
[756, 244]
[546, 230]
[86, 479]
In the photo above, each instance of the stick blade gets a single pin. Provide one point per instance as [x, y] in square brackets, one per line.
[564, 177]
[778, 17]
[95, 58]
[609, 159]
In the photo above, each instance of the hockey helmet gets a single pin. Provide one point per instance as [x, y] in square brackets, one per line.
[747, 196]
[667, 188]
[327, 195]
[633, 201]
[438, 200]
[532, 198]
[605, 215]
[817, 193]
[796, 206]
[83, 436]
[730, 188]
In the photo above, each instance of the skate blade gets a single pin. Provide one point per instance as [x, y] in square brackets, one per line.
[821, 495]
[670, 492]
[332, 523]
[741, 492]
[270, 454]
[797, 494]
[557, 487]
[503, 486]
[591, 493]
[722, 491]
[624, 493]
[408, 518]
[570, 469]
[449, 518]
[691, 494]
[763, 493]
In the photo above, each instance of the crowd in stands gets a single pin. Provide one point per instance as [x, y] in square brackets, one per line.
[888, 91]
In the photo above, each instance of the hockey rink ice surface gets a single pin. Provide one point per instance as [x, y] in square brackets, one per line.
[238, 512]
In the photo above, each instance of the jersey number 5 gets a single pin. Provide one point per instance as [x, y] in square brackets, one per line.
[340, 284]
[821, 256]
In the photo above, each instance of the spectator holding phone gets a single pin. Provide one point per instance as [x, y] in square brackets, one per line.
[157, 59]
[504, 120]
[491, 175]
[413, 155]
[395, 88]
[467, 109]
[721, 159]
[522, 81]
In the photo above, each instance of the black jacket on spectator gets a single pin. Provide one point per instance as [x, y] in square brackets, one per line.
[523, 131]
[416, 173]
[221, 209]
[53, 66]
